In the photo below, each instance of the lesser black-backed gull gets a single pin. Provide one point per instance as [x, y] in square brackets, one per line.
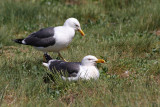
[53, 39]
[86, 69]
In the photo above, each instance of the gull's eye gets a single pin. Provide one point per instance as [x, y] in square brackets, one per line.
[77, 26]
[89, 59]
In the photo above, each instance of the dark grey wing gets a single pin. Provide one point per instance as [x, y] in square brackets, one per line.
[67, 68]
[43, 33]
[41, 38]
[40, 42]
[72, 67]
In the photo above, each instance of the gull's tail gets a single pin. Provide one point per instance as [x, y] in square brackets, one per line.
[20, 41]
[47, 57]
[46, 64]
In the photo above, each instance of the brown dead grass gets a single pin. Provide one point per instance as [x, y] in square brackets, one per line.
[69, 99]
[10, 98]
[10, 51]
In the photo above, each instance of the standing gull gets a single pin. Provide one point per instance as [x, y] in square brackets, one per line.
[86, 69]
[53, 39]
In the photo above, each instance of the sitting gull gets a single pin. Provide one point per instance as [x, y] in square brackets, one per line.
[86, 69]
[53, 39]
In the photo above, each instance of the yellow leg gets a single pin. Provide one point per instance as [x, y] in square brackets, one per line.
[62, 57]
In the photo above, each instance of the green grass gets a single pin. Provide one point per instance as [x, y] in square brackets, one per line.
[123, 32]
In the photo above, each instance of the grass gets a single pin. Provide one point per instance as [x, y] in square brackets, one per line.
[123, 32]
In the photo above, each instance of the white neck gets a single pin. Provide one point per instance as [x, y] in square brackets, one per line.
[66, 24]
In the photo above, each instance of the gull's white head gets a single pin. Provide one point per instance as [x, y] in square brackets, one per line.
[74, 23]
[90, 60]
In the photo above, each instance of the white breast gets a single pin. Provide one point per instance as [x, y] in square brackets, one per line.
[88, 72]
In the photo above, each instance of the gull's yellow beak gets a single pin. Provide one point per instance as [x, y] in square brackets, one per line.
[100, 61]
[82, 33]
